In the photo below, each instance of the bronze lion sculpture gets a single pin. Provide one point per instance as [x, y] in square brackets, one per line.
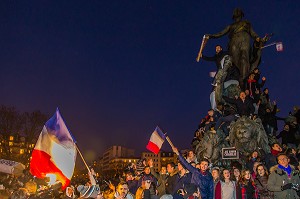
[248, 135]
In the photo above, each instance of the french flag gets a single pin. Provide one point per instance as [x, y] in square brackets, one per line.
[156, 140]
[55, 152]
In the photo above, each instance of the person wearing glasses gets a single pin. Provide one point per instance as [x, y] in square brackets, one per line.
[284, 180]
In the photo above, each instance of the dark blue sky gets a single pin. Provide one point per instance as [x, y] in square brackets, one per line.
[116, 69]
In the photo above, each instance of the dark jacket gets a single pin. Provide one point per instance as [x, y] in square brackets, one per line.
[203, 181]
[216, 58]
[171, 183]
[270, 160]
[132, 185]
[153, 182]
[269, 118]
[182, 180]
[147, 194]
[243, 108]
[247, 191]
[253, 85]
[287, 137]
[261, 184]
[161, 181]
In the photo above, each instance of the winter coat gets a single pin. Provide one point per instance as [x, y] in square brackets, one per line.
[287, 137]
[278, 178]
[182, 180]
[270, 160]
[270, 118]
[161, 181]
[261, 183]
[243, 108]
[171, 183]
[248, 191]
[216, 58]
[153, 180]
[203, 181]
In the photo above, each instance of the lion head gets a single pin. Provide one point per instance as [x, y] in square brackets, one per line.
[248, 135]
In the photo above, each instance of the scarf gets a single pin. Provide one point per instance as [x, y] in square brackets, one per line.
[274, 152]
[250, 81]
[288, 169]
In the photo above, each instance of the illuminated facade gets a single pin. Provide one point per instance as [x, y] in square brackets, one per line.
[161, 159]
[117, 153]
[16, 148]
[118, 164]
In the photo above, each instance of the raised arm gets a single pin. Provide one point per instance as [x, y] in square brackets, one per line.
[184, 162]
[219, 34]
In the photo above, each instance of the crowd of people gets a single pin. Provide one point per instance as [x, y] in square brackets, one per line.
[276, 175]
[262, 175]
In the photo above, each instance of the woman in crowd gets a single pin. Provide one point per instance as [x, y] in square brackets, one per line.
[254, 157]
[246, 188]
[225, 188]
[236, 174]
[261, 182]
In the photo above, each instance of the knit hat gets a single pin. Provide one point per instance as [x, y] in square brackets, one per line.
[88, 191]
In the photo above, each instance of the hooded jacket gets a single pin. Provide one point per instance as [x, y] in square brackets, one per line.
[278, 178]
[203, 181]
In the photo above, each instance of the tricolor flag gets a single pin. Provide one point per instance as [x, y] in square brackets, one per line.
[279, 46]
[156, 140]
[55, 152]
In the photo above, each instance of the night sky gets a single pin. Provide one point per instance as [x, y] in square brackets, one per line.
[116, 69]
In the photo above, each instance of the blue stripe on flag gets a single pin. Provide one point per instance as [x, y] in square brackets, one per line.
[160, 133]
[55, 126]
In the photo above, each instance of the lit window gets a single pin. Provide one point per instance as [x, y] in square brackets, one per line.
[11, 138]
[10, 143]
[21, 151]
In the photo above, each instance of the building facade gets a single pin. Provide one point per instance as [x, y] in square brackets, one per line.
[16, 148]
[116, 153]
[161, 159]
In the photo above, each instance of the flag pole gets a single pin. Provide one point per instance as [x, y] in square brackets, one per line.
[82, 158]
[203, 43]
[170, 142]
[271, 44]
